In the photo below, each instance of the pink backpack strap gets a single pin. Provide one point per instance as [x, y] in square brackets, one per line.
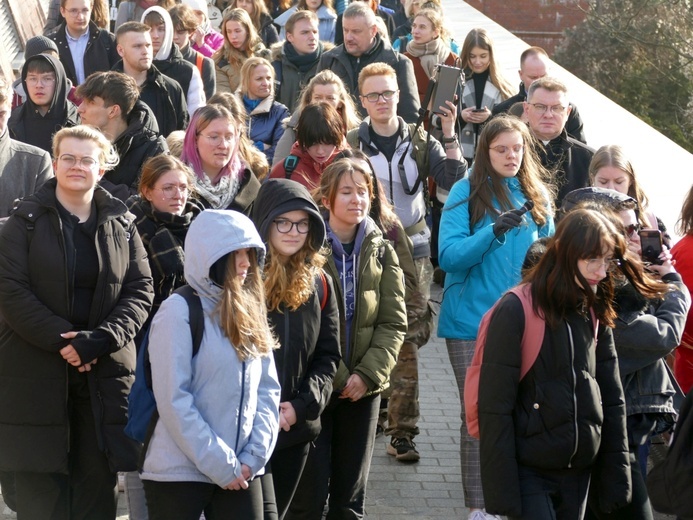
[533, 336]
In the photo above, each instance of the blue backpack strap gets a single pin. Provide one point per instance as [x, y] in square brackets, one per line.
[290, 164]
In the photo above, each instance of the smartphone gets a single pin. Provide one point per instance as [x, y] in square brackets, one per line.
[447, 84]
[479, 110]
[651, 245]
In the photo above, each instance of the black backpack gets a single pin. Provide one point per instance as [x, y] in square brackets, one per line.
[669, 481]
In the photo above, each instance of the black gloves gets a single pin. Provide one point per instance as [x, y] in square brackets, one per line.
[507, 221]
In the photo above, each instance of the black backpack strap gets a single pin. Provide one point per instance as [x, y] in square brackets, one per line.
[197, 329]
[290, 164]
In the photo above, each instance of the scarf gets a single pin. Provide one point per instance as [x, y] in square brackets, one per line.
[430, 54]
[250, 104]
[303, 62]
[221, 194]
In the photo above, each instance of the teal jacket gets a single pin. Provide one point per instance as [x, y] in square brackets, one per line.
[479, 266]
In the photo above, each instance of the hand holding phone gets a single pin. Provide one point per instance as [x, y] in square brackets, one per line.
[651, 245]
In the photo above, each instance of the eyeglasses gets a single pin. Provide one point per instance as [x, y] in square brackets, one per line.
[85, 162]
[632, 228]
[215, 140]
[171, 190]
[285, 225]
[518, 149]
[542, 109]
[594, 264]
[373, 97]
[48, 79]
[76, 12]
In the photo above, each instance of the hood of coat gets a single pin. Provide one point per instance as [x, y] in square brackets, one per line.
[279, 196]
[212, 235]
[58, 105]
[167, 44]
[142, 126]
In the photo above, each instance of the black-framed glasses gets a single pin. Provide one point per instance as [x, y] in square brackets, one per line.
[632, 228]
[373, 97]
[284, 225]
[554, 109]
[85, 162]
[171, 190]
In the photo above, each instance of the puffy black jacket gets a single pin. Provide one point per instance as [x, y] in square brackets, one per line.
[567, 412]
[100, 55]
[309, 336]
[35, 301]
[166, 99]
[139, 142]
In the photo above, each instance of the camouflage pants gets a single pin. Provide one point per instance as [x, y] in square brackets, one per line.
[403, 407]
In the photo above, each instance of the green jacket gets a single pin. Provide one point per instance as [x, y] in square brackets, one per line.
[380, 319]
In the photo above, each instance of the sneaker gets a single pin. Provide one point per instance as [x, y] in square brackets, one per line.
[403, 449]
[480, 514]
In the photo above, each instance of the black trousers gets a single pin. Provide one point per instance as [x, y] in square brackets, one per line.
[281, 478]
[89, 490]
[553, 494]
[188, 500]
[339, 462]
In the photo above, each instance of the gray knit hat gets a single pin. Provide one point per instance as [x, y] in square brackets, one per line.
[37, 45]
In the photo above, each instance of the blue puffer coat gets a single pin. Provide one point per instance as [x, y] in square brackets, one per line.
[479, 266]
[265, 124]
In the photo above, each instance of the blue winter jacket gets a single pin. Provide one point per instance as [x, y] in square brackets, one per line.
[265, 124]
[479, 266]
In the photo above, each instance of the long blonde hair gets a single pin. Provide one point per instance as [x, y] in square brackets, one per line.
[259, 8]
[346, 108]
[242, 313]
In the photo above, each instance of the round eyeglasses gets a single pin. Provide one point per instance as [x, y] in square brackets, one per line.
[171, 190]
[85, 162]
[285, 225]
[594, 264]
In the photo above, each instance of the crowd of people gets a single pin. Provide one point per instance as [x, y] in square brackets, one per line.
[259, 195]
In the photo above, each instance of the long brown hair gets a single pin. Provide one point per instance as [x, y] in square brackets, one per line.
[242, 313]
[228, 51]
[486, 185]
[259, 8]
[481, 39]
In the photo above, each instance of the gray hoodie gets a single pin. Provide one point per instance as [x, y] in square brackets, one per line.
[216, 412]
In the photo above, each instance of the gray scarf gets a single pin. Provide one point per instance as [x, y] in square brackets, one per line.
[430, 54]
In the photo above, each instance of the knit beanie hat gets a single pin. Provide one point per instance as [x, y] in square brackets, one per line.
[37, 45]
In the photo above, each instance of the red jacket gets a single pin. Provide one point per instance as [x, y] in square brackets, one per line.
[307, 171]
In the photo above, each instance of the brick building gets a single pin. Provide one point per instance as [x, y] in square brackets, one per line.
[19, 21]
[538, 22]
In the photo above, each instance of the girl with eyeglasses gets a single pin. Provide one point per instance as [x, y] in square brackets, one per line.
[611, 169]
[225, 164]
[550, 436]
[302, 310]
[485, 87]
[76, 287]
[484, 236]
[373, 320]
[219, 410]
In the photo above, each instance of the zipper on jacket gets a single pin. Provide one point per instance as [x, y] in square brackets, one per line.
[240, 408]
[572, 371]
[285, 347]
[344, 300]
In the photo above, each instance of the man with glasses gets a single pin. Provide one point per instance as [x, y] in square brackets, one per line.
[111, 104]
[47, 108]
[547, 110]
[535, 64]
[83, 47]
[363, 45]
[403, 161]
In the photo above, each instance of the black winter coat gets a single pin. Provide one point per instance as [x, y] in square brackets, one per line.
[139, 142]
[567, 412]
[177, 68]
[100, 55]
[568, 160]
[207, 70]
[166, 99]
[243, 202]
[35, 302]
